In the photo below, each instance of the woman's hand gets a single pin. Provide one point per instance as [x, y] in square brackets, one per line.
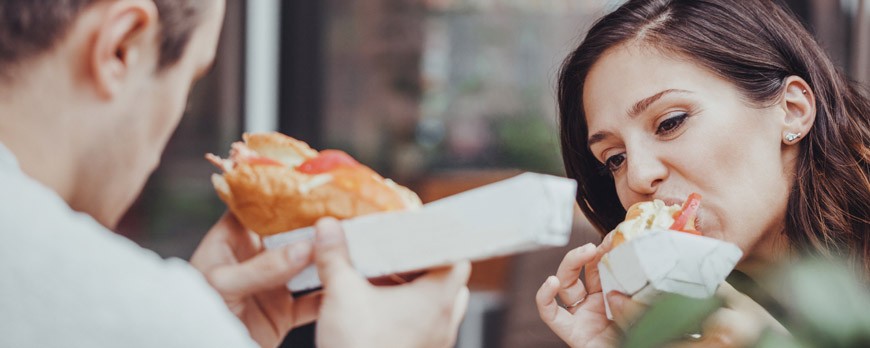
[739, 323]
[583, 322]
[252, 280]
[425, 312]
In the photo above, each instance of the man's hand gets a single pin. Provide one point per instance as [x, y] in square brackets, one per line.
[252, 281]
[425, 312]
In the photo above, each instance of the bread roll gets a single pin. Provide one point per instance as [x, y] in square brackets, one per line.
[273, 183]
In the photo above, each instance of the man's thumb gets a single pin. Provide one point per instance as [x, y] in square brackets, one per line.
[330, 252]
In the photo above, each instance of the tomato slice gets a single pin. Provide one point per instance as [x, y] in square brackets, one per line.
[327, 160]
[685, 222]
[262, 161]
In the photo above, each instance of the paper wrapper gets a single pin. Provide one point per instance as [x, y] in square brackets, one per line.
[667, 261]
[527, 212]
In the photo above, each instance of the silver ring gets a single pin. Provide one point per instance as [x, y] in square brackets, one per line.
[694, 337]
[575, 304]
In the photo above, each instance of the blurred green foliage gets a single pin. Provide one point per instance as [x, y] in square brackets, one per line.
[529, 143]
[827, 306]
[670, 319]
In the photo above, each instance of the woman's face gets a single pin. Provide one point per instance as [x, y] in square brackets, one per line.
[665, 127]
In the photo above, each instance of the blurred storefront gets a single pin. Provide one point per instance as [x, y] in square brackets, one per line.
[441, 95]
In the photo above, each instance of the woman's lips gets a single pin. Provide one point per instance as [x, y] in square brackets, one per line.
[672, 201]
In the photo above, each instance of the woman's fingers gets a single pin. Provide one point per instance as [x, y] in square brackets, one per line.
[572, 289]
[742, 303]
[557, 318]
[724, 328]
[739, 323]
[592, 280]
[625, 310]
[545, 298]
[731, 296]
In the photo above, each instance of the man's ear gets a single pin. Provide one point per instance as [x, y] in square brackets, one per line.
[799, 104]
[125, 39]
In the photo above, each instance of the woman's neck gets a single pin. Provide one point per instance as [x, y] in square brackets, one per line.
[765, 257]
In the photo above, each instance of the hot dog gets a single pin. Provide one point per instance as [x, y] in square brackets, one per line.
[645, 216]
[274, 183]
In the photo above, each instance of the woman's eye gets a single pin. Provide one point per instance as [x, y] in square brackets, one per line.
[671, 123]
[614, 162]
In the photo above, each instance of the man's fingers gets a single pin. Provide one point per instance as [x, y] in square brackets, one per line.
[306, 309]
[267, 270]
[442, 284]
[224, 243]
[453, 277]
[568, 273]
[460, 306]
[245, 244]
[625, 311]
[330, 253]
[286, 313]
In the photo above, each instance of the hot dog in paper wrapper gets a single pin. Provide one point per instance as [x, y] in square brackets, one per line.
[657, 249]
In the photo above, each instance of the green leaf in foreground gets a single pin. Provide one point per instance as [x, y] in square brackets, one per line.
[669, 319]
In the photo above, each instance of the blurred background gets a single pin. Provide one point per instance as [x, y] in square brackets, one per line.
[440, 95]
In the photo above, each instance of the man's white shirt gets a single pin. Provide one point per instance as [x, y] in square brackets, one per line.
[67, 281]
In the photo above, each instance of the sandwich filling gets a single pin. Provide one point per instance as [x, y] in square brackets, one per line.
[652, 215]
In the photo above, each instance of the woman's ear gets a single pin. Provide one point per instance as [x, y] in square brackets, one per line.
[125, 38]
[799, 104]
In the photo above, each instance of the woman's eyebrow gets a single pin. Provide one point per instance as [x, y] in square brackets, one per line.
[645, 103]
[635, 110]
[596, 138]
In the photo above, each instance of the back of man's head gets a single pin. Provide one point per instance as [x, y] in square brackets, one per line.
[97, 87]
[29, 28]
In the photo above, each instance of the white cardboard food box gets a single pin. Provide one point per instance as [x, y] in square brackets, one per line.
[667, 261]
[527, 212]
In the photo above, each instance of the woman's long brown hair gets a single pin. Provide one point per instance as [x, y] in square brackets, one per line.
[756, 45]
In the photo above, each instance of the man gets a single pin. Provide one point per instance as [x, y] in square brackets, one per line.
[90, 91]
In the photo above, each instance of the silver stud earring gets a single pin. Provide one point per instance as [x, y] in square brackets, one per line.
[804, 91]
[789, 137]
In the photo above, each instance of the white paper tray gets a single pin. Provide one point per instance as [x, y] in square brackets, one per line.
[523, 213]
[667, 261]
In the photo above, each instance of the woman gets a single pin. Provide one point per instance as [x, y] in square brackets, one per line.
[732, 99]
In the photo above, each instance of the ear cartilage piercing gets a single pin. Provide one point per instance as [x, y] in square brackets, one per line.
[804, 91]
[789, 137]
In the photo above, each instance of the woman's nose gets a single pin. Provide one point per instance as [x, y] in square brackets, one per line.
[645, 172]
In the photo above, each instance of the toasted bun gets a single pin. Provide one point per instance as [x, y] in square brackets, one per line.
[277, 146]
[268, 198]
[632, 213]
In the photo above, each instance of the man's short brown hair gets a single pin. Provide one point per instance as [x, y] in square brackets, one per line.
[31, 27]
